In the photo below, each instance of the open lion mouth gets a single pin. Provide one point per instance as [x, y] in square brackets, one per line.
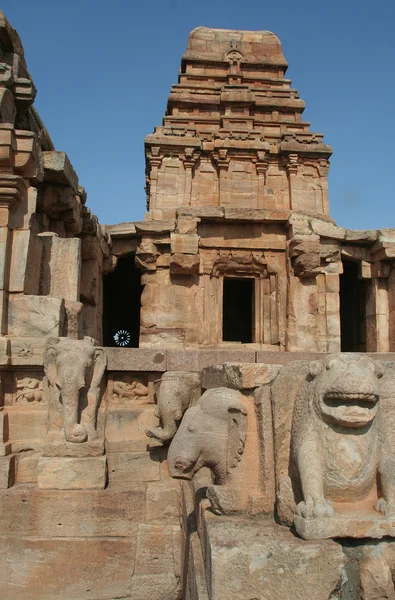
[361, 400]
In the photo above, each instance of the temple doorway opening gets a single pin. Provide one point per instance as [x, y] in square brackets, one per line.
[121, 304]
[352, 309]
[238, 310]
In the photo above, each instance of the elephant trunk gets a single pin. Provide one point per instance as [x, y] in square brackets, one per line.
[74, 431]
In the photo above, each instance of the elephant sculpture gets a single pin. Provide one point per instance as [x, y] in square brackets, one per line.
[176, 392]
[74, 370]
[213, 434]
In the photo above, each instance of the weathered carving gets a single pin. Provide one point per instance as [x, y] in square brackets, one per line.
[339, 445]
[212, 434]
[29, 390]
[135, 390]
[74, 370]
[177, 391]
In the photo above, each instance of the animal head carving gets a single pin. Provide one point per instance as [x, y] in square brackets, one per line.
[74, 369]
[212, 434]
[346, 390]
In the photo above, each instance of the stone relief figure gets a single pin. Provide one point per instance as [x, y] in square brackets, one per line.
[74, 370]
[177, 391]
[340, 448]
[29, 389]
[134, 390]
[212, 434]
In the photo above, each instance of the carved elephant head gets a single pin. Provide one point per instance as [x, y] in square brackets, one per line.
[74, 370]
[212, 434]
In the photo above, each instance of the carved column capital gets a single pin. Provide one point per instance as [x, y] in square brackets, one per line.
[190, 157]
[155, 157]
[220, 158]
[291, 164]
[261, 162]
[12, 188]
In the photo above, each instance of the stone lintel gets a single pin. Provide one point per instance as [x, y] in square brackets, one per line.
[120, 230]
[136, 359]
[155, 226]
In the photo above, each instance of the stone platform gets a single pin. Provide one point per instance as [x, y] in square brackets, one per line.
[357, 525]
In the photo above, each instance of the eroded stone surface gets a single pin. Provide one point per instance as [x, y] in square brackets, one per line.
[267, 562]
[65, 473]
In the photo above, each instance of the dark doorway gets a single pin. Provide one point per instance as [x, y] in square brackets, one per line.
[238, 310]
[121, 304]
[352, 309]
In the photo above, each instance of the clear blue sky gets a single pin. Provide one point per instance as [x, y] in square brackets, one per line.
[103, 71]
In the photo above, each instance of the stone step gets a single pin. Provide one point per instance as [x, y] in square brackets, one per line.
[25, 510]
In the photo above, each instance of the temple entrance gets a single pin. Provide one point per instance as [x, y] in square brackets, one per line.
[238, 310]
[352, 309]
[121, 305]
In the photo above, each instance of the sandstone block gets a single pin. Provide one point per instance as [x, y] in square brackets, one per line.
[155, 226]
[270, 562]
[184, 243]
[239, 375]
[71, 449]
[125, 428]
[35, 316]
[163, 502]
[27, 427]
[135, 359]
[376, 578]
[354, 525]
[27, 510]
[25, 262]
[26, 467]
[26, 351]
[155, 552]
[7, 471]
[190, 360]
[127, 468]
[73, 325]
[154, 587]
[327, 229]
[187, 224]
[58, 169]
[56, 279]
[62, 473]
[66, 568]
[184, 264]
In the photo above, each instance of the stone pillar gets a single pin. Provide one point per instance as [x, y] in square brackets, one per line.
[332, 306]
[391, 308]
[377, 316]
[292, 171]
[189, 161]
[222, 161]
[12, 191]
[262, 166]
[323, 170]
[155, 161]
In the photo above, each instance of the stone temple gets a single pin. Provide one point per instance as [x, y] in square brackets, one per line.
[199, 405]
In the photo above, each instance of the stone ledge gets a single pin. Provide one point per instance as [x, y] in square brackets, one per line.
[136, 359]
[82, 568]
[29, 511]
[356, 525]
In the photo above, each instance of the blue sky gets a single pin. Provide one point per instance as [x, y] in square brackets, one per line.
[104, 70]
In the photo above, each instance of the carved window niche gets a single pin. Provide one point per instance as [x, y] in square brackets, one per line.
[258, 311]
